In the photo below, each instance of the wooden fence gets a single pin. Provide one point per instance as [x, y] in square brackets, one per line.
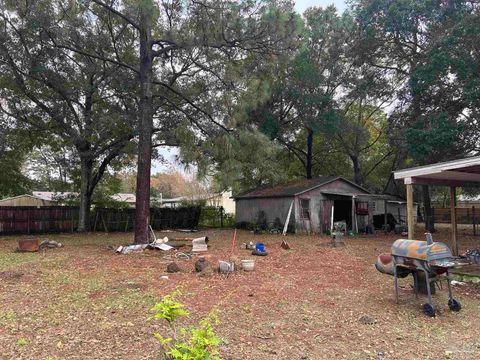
[464, 215]
[51, 219]
[160, 218]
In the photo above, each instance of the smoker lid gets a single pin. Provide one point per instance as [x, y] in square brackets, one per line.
[420, 250]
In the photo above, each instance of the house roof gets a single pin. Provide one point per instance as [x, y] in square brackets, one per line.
[54, 195]
[294, 188]
[124, 197]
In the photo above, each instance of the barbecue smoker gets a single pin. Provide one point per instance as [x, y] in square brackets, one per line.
[414, 257]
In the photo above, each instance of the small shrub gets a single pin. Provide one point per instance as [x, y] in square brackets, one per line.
[22, 342]
[196, 343]
[169, 308]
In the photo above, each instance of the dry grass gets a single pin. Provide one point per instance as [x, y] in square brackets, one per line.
[85, 302]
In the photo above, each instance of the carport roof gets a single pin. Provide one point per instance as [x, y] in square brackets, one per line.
[461, 172]
[294, 188]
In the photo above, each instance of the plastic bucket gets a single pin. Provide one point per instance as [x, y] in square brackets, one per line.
[248, 265]
[260, 247]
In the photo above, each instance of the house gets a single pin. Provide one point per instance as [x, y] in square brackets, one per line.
[467, 201]
[223, 199]
[56, 197]
[313, 201]
[128, 198]
[26, 200]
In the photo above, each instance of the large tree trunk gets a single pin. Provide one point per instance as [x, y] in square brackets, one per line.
[357, 176]
[309, 153]
[429, 221]
[145, 127]
[86, 168]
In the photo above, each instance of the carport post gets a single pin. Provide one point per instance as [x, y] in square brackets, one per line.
[453, 218]
[411, 231]
[353, 214]
[385, 219]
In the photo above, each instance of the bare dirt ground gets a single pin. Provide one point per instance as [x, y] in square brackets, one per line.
[84, 301]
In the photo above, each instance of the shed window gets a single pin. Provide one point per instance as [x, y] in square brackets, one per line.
[305, 204]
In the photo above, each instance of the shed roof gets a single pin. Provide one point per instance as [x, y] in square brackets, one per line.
[294, 188]
[23, 196]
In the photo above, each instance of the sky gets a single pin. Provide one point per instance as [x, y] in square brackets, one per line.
[301, 5]
[170, 154]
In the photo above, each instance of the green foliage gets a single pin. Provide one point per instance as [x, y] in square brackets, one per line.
[194, 343]
[22, 342]
[245, 160]
[169, 308]
[201, 344]
[211, 216]
[14, 146]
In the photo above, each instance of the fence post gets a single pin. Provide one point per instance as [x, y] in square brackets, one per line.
[474, 221]
[221, 216]
[71, 218]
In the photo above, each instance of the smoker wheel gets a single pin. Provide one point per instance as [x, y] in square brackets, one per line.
[429, 310]
[454, 305]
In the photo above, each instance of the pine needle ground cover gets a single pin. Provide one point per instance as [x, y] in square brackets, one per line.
[83, 301]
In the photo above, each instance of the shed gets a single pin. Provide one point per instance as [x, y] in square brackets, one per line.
[393, 205]
[25, 200]
[312, 202]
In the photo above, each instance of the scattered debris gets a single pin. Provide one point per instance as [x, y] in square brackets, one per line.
[248, 264]
[157, 244]
[259, 249]
[473, 255]
[202, 267]
[173, 267]
[249, 246]
[49, 244]
[164, 277]
[285, 245]
[162, 246]
[28, 245]
[186, 230]
[201, 264]
[455, 282]
[183, 256]
[287, 220]
[200, 244]
[367, 320]
[225, 267]
[177, 244]
[339, 229]
[135, 248]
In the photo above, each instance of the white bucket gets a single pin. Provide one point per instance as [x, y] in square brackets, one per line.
[248, 265]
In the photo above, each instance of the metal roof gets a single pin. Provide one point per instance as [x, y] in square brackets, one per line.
[294, 188]
[462, 172]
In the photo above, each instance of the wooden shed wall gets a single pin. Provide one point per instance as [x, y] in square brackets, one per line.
[246, 210]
